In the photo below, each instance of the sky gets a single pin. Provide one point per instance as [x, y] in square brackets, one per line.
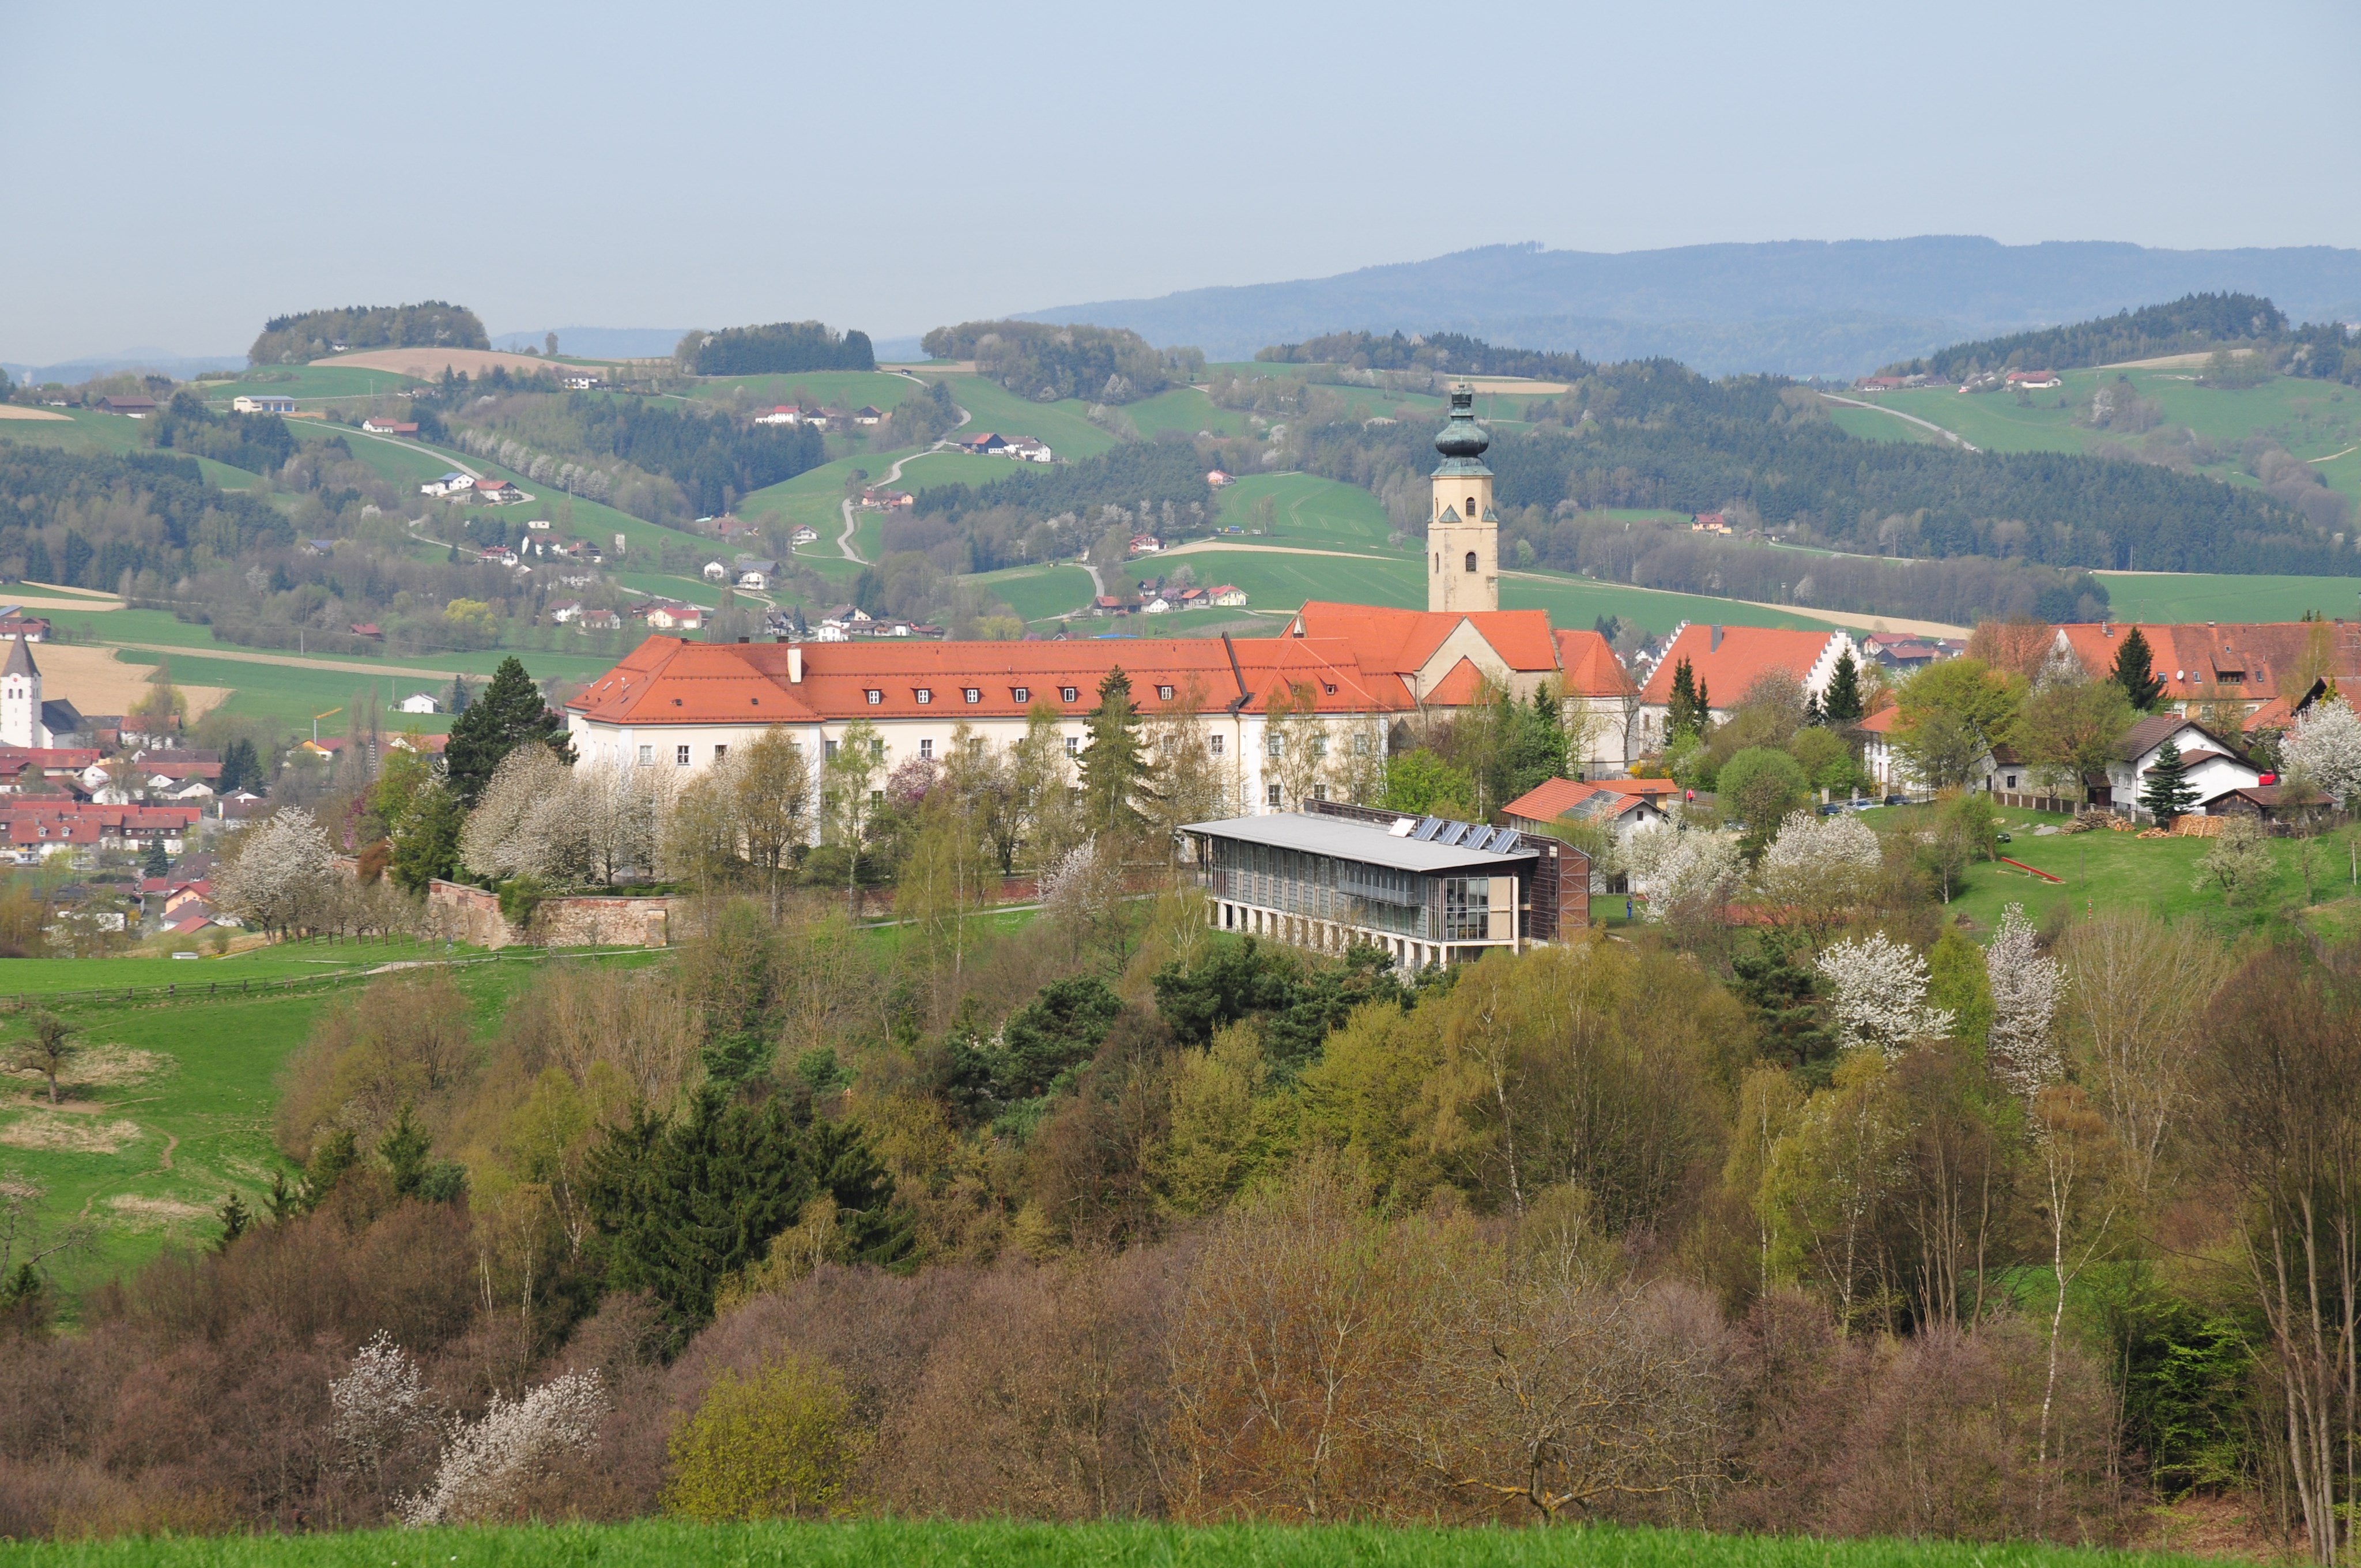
[179, 173]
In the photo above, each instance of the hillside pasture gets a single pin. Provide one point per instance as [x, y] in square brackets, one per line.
[1039, 593]
[1309, 509]
[1062, 425]
[814, 389]
[346, 377]
[2223, 596]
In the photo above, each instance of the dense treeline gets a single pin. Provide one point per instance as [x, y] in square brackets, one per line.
[1655, 434]
[1153, 472]
[312, 334]
[1046, 362]
[2192, 323]
[85, 520]
[714, 459]
[258, 444]
[1446, 353]
[781, 349]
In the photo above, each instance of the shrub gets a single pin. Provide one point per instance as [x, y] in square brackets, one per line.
[778, 1445]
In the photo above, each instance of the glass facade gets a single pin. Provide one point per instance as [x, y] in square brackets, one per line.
[1351, 892]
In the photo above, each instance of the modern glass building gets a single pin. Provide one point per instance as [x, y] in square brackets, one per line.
[1428, 891]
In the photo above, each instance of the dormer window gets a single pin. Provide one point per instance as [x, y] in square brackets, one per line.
[1164, 694]
[926, 696]
[973, 694]
[874, 697]
[1022, 694]
[1066, 694]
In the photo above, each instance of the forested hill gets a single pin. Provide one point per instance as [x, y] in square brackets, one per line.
[85, 520]
[1655, 434]
[2194, 323]
[1442, 353]
[430, 324]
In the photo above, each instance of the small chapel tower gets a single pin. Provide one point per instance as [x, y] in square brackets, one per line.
[1463, 533]
[20, 698]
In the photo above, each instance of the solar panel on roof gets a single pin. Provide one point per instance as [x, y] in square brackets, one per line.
[1455, 833]
[1503, 839]
[1427, 828]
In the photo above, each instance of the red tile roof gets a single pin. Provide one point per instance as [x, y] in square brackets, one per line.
[1549, 800]
[1400, 640]
[1463, 685]
[1587, 663]
[1745, 655]
[2192, 659]
[668, 680]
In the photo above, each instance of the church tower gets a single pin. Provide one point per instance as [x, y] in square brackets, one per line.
[1463, 531]
[20, 698]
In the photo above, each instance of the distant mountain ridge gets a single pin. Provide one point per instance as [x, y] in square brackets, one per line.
[1798, 307]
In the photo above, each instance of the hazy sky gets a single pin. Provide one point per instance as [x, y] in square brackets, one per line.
[178, 173]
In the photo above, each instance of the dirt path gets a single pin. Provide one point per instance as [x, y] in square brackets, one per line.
[1951, 435]
[172, 1142]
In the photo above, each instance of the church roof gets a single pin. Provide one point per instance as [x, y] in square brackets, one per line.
[20, 659]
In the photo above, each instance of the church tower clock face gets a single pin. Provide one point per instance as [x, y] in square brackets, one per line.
[1463, 530]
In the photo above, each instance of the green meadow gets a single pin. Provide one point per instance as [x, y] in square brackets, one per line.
[307, 383]
[1039, 593]
[814, 389]
[2222, 596]
[1308, 510]
[1010, 1543]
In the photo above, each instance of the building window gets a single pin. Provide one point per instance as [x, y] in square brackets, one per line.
[647, 756]
[1066, 694]
[926, 749]
[925, 696]
[1471, 560]
[1320, 745]
[1164, 694]
[1319, 792]
[874, 697]
[2012, 781]
[680, 756]
[1466, 909]
[719, 752]
[1215, 744]
[877, 750]
[973, 694]
[876, 799]
[1073, 745]
[1471, 510]
[1022, 694]
[1275, 745]
[1271, 794]
[1360, 743]
[828, 751]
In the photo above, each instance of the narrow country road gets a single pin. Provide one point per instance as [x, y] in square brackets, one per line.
[844, 539]
[1951, 435]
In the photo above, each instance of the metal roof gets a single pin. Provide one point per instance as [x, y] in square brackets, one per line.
[1349, 840]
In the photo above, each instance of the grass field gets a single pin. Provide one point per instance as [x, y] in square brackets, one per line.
[2310, 419]
[1039, 593]
[816, 388]
[169, 1109]
[97, 434]
[1062, 425]
[2220, 596]
[306, 383]
[1184, 409]
[919, 1544]
[1308, 510]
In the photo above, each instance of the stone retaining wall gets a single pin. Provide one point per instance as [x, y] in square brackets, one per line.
[474, 917]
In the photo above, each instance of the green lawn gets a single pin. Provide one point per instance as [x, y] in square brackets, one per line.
[1184, 409]
[307, 383]
[814, 389]
[1062, 425]
[2106, 871]
[1007, 1543]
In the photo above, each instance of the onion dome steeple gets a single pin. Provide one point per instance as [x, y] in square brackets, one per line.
[1462, 440]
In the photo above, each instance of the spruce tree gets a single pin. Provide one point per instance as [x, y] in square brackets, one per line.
[2133, 671]
[1843, 703]
[159, 864]
[510, 713]
[2165, 791]
[1114, 764]
[1687, 715]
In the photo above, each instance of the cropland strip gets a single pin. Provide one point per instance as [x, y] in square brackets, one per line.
[18, 410]
[95, 680]
[300, 663]
[428, 363]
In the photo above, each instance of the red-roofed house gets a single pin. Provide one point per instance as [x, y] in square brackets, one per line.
[1623, 813]
[2234, 663]
[1442, 657]
[683, 705]
[1726, 661]
[1600, 704]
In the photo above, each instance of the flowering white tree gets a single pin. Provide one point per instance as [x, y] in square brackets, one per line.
[1881, 994]
[540, 818]
[2325, 748]
[281, 874]
[2025, 990]
[379, 1404]
[487, 1463]
[1680, 872]
[1818, 868]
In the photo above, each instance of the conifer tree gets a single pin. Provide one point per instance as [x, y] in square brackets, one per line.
[2165, 791]
[508, 714]
[1687, 715]
[1843, 703]
[2134, 672]
[157, 863]
[1114, 764]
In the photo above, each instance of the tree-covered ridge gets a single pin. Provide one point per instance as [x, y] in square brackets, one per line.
[258, 444]
[1146, 472]
[2191, 322]
[1446, 353]
[68, 518]
[1048, 362]
[780, 349]
[430, 324]
[706, 456]
[1655, 434]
